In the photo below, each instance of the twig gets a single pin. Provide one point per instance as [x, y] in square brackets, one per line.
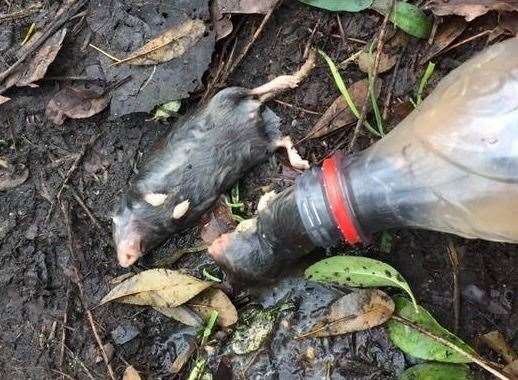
[296, 107]
[64, 332]
[117, 60]
[77, 359]
[249, 44]
[73, 7]
[454, 259]
[341, 28]
[469, 39]
[474, 358]
[390, 90]
[69, 174]
[148, 79]
[310, 39]
[379, 48]
[33, 8]
[84, 207]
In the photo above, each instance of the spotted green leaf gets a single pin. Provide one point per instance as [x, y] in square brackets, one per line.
[437, 371]
[415, 343]
[358, 272]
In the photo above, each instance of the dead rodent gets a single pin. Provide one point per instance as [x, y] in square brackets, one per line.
[198, 161]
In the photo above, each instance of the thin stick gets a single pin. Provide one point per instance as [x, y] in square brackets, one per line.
[249, 44]
[117, 60]
[85, 208]
[297, 107]
[21, 14]
[379, 48]
[64, 331]
[310, 39]
[392, 83]
[469, 39]
[454, 259]
[474, 358]
[341, 28]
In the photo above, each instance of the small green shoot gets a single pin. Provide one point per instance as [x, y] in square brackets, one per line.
[343, 90]
[235, 202]
[424, 81]
[386, 242]
[166, 110]
[372, 94]
[29, 34]
[207, 331]
[198, 369]
[210, 276]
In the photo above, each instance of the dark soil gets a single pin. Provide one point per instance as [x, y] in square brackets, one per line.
[38, 290]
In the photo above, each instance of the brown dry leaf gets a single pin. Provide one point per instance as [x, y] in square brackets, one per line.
[470, 9]
[512, 369]
[12, 176]
[386, 62]
[496, 341]
[181, 314]
[182, 358]
[171, 44]
[507, 25]
[356, 311]
[214, 299]
[4, 99]
[157, 287]
[222, 23]
[216, 222]
[36, 66]
[338, 115]
[75, 103]
[130, 374]
[246, 6]
[446, 34]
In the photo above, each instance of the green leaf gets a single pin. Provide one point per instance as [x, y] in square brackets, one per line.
[360, 272]
[343, 90]
[424, 80]
[419, 345]
[340, 5]
[437, 371]
[406, 16]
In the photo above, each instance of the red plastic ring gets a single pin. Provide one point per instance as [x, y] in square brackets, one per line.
[338, 202]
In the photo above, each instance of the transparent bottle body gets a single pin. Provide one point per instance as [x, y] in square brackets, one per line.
[452, 164]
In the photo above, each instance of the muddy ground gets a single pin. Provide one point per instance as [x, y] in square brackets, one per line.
[37, 288]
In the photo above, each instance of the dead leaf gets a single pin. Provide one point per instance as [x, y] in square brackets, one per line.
[246, 6]
[512, 369]
[157, 287]
[470, 9]
[182, 358]
[12, 176]
[507, 25]
[214, 299]
[356, 311]
[338, 115]
[447, 33]
[496, 341]
[181, 314]
[75, 103]
[130, 374]
[222, 23]
[173, 43]
[4, 99]
[216, 222]
[386, 62]
[36, 66]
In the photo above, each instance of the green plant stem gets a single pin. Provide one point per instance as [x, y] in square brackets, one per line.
[372, 94]
[345, 93]
[424, 80]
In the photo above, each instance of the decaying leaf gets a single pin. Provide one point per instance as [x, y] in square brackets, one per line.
[254, 328]
[181, 314]
[360, 310]
[130, 373]
[12, 176]
[36, 66]
[512, 369]
[216, 222]
[246, 6]
[166, 110]
[437, 371]
[173, 43]
[222, 23]
[4, 99]
[497, 342]
[214, 299]
[356, 271]
[182, 358]
[470, 9]
[446, 34]
[339, 115]
[386, 62]
[157, 287]
[75, 103]
[419, 345]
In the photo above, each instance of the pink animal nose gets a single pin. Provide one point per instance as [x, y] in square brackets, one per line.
[128, 253]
